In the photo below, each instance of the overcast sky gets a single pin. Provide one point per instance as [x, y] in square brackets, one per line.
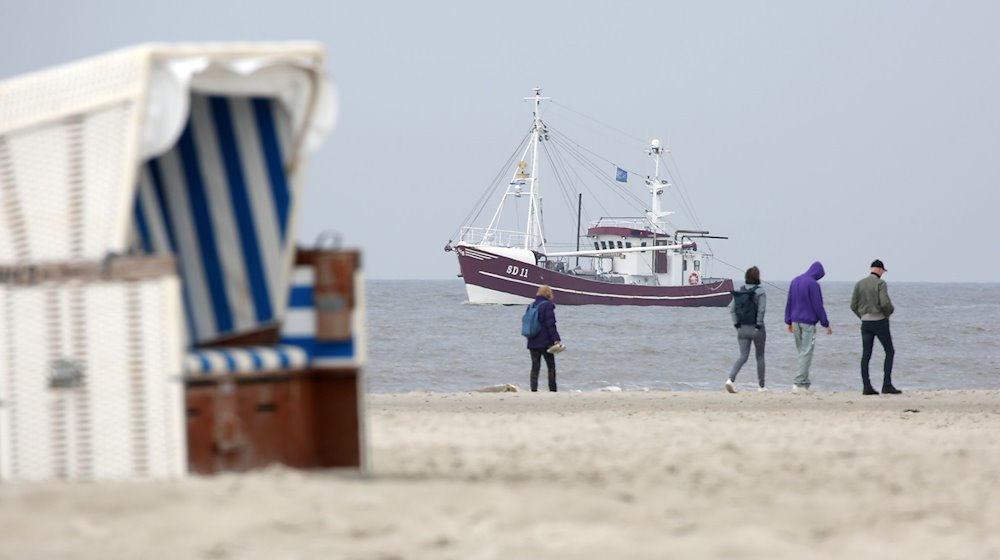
[833, 131]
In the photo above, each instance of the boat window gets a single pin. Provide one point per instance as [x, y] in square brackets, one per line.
[628, 244]
[685, 264]
[697, 265]
[596, 245]
[604, 245]
[619, 244]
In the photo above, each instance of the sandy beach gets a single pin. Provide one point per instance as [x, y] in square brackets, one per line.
[575, 475]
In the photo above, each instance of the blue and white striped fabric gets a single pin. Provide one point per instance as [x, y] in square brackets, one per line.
[299, 327]
[245, 359]
[221, 201]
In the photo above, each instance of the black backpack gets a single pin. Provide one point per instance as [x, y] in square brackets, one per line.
[745, 305]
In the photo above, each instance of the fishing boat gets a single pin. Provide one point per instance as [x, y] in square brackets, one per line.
[638, 260]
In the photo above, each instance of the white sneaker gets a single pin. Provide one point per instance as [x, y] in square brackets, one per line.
[762, 389]
[729, 386]
[801, 389]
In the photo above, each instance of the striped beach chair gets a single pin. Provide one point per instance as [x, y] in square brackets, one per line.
[155, 190]
[222, 202]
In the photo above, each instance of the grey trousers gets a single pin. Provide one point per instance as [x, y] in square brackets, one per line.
[805, 343]
[745, 335]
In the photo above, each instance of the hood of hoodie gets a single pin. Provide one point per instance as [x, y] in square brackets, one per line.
[816, 270]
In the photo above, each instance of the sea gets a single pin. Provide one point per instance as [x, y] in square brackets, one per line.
[423, 335]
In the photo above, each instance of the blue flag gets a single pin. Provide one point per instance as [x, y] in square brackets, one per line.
[621, 175]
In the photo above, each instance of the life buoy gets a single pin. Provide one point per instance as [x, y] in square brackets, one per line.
[693, 278]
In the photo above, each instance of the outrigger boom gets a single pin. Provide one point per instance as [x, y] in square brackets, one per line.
[600, 253]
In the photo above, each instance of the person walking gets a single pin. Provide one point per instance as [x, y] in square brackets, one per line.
[870, 302]
[546, 342]
[803, 310]
[747, 312]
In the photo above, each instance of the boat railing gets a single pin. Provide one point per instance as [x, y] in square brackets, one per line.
[630, 223]
[497, 237]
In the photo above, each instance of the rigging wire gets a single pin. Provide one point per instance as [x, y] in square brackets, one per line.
[568, 170]
[602, 180]
[477, 209]
[595, 154]
[601, 175]
[672, 173]
[557, 159]
[565, 171]
[682, 195]
[738, 269]
[557, 174]
[602, 123]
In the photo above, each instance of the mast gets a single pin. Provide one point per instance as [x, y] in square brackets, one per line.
[656, 187]
[538, 133]
[579, 209]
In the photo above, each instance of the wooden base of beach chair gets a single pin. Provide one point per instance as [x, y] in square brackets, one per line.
[303, 419]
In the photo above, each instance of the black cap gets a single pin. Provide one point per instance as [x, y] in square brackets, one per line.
[878, 264]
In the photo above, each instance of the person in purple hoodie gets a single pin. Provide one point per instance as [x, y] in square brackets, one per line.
[803, 310]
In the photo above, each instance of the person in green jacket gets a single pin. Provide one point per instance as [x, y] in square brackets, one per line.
[871, 303]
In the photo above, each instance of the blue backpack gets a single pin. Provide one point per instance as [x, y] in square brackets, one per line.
[530, 325]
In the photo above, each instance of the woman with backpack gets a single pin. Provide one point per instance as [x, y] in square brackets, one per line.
[543, 338]
[747, 311]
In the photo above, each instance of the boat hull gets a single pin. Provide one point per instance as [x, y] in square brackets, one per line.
[496, 279]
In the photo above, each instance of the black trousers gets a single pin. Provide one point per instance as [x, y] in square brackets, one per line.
[536, 365]
[870, 330]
